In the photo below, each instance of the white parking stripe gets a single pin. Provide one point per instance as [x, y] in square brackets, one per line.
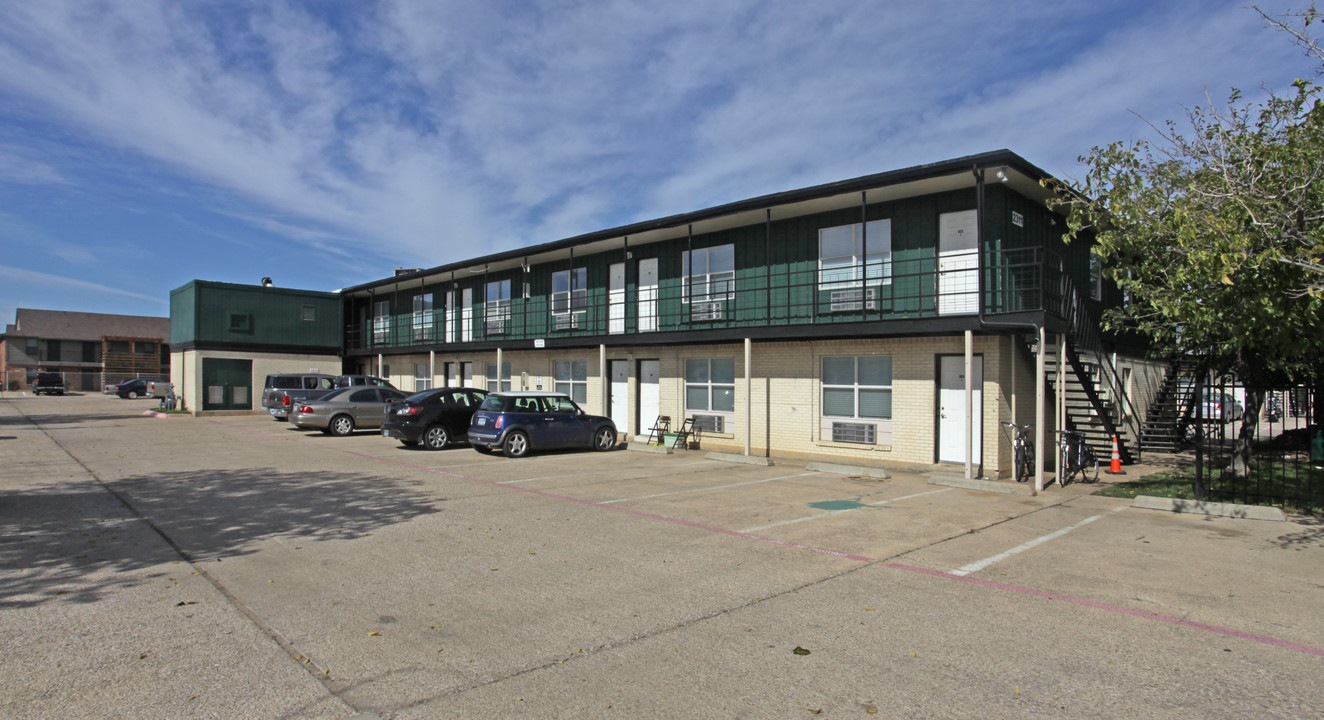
[838, 512]
[705, 489]
[980, 565]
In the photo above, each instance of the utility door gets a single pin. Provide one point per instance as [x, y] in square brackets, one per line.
[619, 402]
[227, 384]
[958, 263]
[647, 305]
[650, 393]
[951, 408]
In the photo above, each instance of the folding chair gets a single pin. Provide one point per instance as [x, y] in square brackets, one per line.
[659, 429]
[686, 432]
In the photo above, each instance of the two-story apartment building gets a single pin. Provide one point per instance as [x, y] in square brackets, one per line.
[895, 319]
[88, 349]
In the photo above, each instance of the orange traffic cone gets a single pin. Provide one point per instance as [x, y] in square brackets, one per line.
[1116, 466]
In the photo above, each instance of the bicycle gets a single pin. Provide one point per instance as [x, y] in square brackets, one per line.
[1074, 456]
[1023, 452]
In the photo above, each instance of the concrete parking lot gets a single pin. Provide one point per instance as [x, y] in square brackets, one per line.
[234, 567]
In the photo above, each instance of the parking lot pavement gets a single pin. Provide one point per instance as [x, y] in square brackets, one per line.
[344, 576]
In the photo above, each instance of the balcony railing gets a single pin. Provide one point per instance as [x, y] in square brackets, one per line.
[1013, 281]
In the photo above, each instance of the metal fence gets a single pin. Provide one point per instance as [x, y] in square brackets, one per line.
[1273, 456]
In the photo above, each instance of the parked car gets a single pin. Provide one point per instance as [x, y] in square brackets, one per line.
[351, 380]
[1221, 407]
[282, 390]
[342, 411]
[144, 387]
[48, 383]
[517, 422]
[435, 418]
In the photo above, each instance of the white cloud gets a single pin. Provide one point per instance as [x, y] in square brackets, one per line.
[34, 277]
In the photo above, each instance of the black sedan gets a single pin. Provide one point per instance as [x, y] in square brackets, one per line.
[435, 418]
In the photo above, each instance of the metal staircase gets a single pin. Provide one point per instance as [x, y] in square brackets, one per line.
[1096, 402]
[1169, 412]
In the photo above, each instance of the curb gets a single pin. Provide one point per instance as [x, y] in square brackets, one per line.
[848, 470]
[957, 481]
[645, 447]
[745, 459]
[1230, 510]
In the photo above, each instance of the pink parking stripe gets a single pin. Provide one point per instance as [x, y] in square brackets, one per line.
[1240, 634]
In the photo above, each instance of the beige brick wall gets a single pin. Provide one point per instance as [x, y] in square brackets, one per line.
[186, 371]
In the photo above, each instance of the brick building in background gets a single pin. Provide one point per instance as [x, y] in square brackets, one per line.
[89, 349]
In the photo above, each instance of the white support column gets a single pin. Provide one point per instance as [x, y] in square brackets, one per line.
[969, 403]
[1061, 386]
[432, 369]
[379, 367]
[498, 371]
[1040, 412]
[603, 380]
[749, 384]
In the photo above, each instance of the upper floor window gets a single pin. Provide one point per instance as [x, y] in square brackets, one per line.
[497, 308]
[709, 274]
[423, 317]
[381, 320]
[569, 291]
[849, 254]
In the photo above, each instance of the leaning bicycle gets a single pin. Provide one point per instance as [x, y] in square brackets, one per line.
[1022, 451]
[1074, 455]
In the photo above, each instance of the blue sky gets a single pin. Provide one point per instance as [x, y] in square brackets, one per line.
[145, 143]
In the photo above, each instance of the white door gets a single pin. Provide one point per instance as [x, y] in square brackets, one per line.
[951, 408]
[958, 263]
[650, 393]
[450, 318]
[620, 394]
[648, 296]
[467, 316]
[616, 300]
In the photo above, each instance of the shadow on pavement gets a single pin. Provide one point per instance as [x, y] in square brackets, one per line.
[72, 544]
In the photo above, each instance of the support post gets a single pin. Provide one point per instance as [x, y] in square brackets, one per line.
[602, 376]
[749, 383]
[1040, 414]
[969, 402]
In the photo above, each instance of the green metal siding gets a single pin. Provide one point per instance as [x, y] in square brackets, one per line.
[183, 314]
[275, 316]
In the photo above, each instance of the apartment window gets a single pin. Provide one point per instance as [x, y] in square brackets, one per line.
[33, 350]
[1096, 277]
[858, 387]
[570, 291]
[381, 320]
[144, 348]
[422, 326]
[709, 274]
[492, 377]
[572, 379]
[710, 385]
[842, 262]
[497, 308]
[422, 377]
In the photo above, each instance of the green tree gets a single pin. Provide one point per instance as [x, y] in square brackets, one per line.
[1215, 234]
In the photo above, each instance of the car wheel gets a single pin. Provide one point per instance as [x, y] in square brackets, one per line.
[604, 439]
[341, 425]
[436, 437]
[133, 395]
[516, 445]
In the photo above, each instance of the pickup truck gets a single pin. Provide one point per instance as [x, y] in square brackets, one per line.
[48, 383]
[284, 390]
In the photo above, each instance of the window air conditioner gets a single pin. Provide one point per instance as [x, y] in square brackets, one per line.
[861, 433]
[568, 321]
[702, 312]
[847, 300]
[709, 423]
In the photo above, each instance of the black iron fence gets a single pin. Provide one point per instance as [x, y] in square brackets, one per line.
[1261, 447]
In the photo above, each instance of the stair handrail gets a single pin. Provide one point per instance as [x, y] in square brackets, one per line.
[1085, 332]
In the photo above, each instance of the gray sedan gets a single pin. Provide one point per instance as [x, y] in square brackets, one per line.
[340, 412]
